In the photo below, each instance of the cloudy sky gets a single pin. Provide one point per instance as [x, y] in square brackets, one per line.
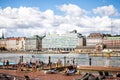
[31, 17]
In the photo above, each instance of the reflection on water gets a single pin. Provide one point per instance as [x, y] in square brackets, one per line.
[80, 59]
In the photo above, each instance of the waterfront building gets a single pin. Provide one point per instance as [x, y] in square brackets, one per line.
[93, 39]
[63, 42]
[3, 43]
[15, 44]
[33, 43]
[94, 44]
[112, 42]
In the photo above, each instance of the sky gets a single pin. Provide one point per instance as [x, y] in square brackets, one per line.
[35, 17]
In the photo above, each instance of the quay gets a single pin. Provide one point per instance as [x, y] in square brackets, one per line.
[103, 54]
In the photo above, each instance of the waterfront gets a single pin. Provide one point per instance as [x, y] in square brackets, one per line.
[80, 59]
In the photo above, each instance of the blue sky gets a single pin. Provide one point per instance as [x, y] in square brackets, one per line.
[51, 4]
[23, 17]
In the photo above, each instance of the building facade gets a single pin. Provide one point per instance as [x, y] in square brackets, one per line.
[15, 44]
[33, 43]
[93, 39]
[3, 43]
[63, 42]
[112, 41]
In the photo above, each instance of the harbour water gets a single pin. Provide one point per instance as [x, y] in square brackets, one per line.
[80, 59]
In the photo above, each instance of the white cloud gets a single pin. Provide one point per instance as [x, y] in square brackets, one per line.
[72, 10]
[106, 11]
[28, 21]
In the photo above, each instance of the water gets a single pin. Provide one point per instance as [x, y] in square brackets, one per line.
[80, 59]
[1, 63]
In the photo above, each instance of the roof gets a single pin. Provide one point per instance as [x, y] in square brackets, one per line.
[15, 38]
[95, 35]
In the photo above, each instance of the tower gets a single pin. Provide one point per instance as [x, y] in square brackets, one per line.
[2, 35]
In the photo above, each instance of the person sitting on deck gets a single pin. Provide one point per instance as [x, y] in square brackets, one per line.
[70, 71]
[27, 77]
[101, 75]
[118, 74]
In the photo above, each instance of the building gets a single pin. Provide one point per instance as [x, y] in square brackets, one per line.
[93, 39]
[94, 44]
[33, 43]
[63, 42]
[15, 44]
[112, 42]
[3, 43]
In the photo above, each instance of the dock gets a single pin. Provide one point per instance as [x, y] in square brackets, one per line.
[99, 68]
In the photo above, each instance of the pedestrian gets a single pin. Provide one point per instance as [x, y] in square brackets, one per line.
[14, 78]
[7, 63]
[4, 64]
[73, 61]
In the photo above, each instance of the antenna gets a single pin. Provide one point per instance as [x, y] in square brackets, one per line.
[111, 27]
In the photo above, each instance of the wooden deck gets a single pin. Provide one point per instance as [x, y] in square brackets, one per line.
[99, 68]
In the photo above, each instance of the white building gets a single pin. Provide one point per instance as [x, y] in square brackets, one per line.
[16, 44]
[33, 43]
[64, 42]
[30, 44]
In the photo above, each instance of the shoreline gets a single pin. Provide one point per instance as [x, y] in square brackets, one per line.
[40, 52]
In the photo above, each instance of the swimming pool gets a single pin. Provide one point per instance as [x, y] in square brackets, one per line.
[1, 63]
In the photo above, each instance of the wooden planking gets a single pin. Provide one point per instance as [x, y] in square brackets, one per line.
[99, 68]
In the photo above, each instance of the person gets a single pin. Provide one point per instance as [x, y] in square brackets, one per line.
[73, 61]
[59, 63]
[68, 62]
[66, 70]
[7, 63]
[14, 78]
[118, 74]
[27, 77]
[4, 64]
